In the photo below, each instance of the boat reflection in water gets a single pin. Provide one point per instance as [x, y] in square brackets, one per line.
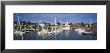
[64, 35]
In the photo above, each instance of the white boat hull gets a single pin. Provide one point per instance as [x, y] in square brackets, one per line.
[19, 32]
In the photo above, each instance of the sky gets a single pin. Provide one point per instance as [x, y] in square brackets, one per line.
[60, 17]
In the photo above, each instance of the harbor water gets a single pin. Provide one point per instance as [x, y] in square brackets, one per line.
[64, 35]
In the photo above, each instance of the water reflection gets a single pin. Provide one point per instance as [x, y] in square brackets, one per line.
[64, 35]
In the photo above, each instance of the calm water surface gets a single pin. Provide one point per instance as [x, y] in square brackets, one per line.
[64, 35]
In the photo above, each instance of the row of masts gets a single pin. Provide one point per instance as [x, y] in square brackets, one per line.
[42, 26]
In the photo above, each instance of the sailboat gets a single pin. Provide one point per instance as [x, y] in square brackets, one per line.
[44, 31]
[56, 31]
[84, 31]
[88, 31]
[19, 32]
[66, 27]
[53, 31]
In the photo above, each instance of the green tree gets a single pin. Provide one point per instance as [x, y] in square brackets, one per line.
[15, 22]
[82, 24]
[58, 23]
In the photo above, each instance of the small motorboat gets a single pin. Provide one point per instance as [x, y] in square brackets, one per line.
[50, 33]
[19, 32]
[43, 32]
[84, 32]
[88, 32]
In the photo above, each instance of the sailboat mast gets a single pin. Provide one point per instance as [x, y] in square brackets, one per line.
[55, 23]
[19, 22]
[67, 22]
[55, 27]
[90, 23]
